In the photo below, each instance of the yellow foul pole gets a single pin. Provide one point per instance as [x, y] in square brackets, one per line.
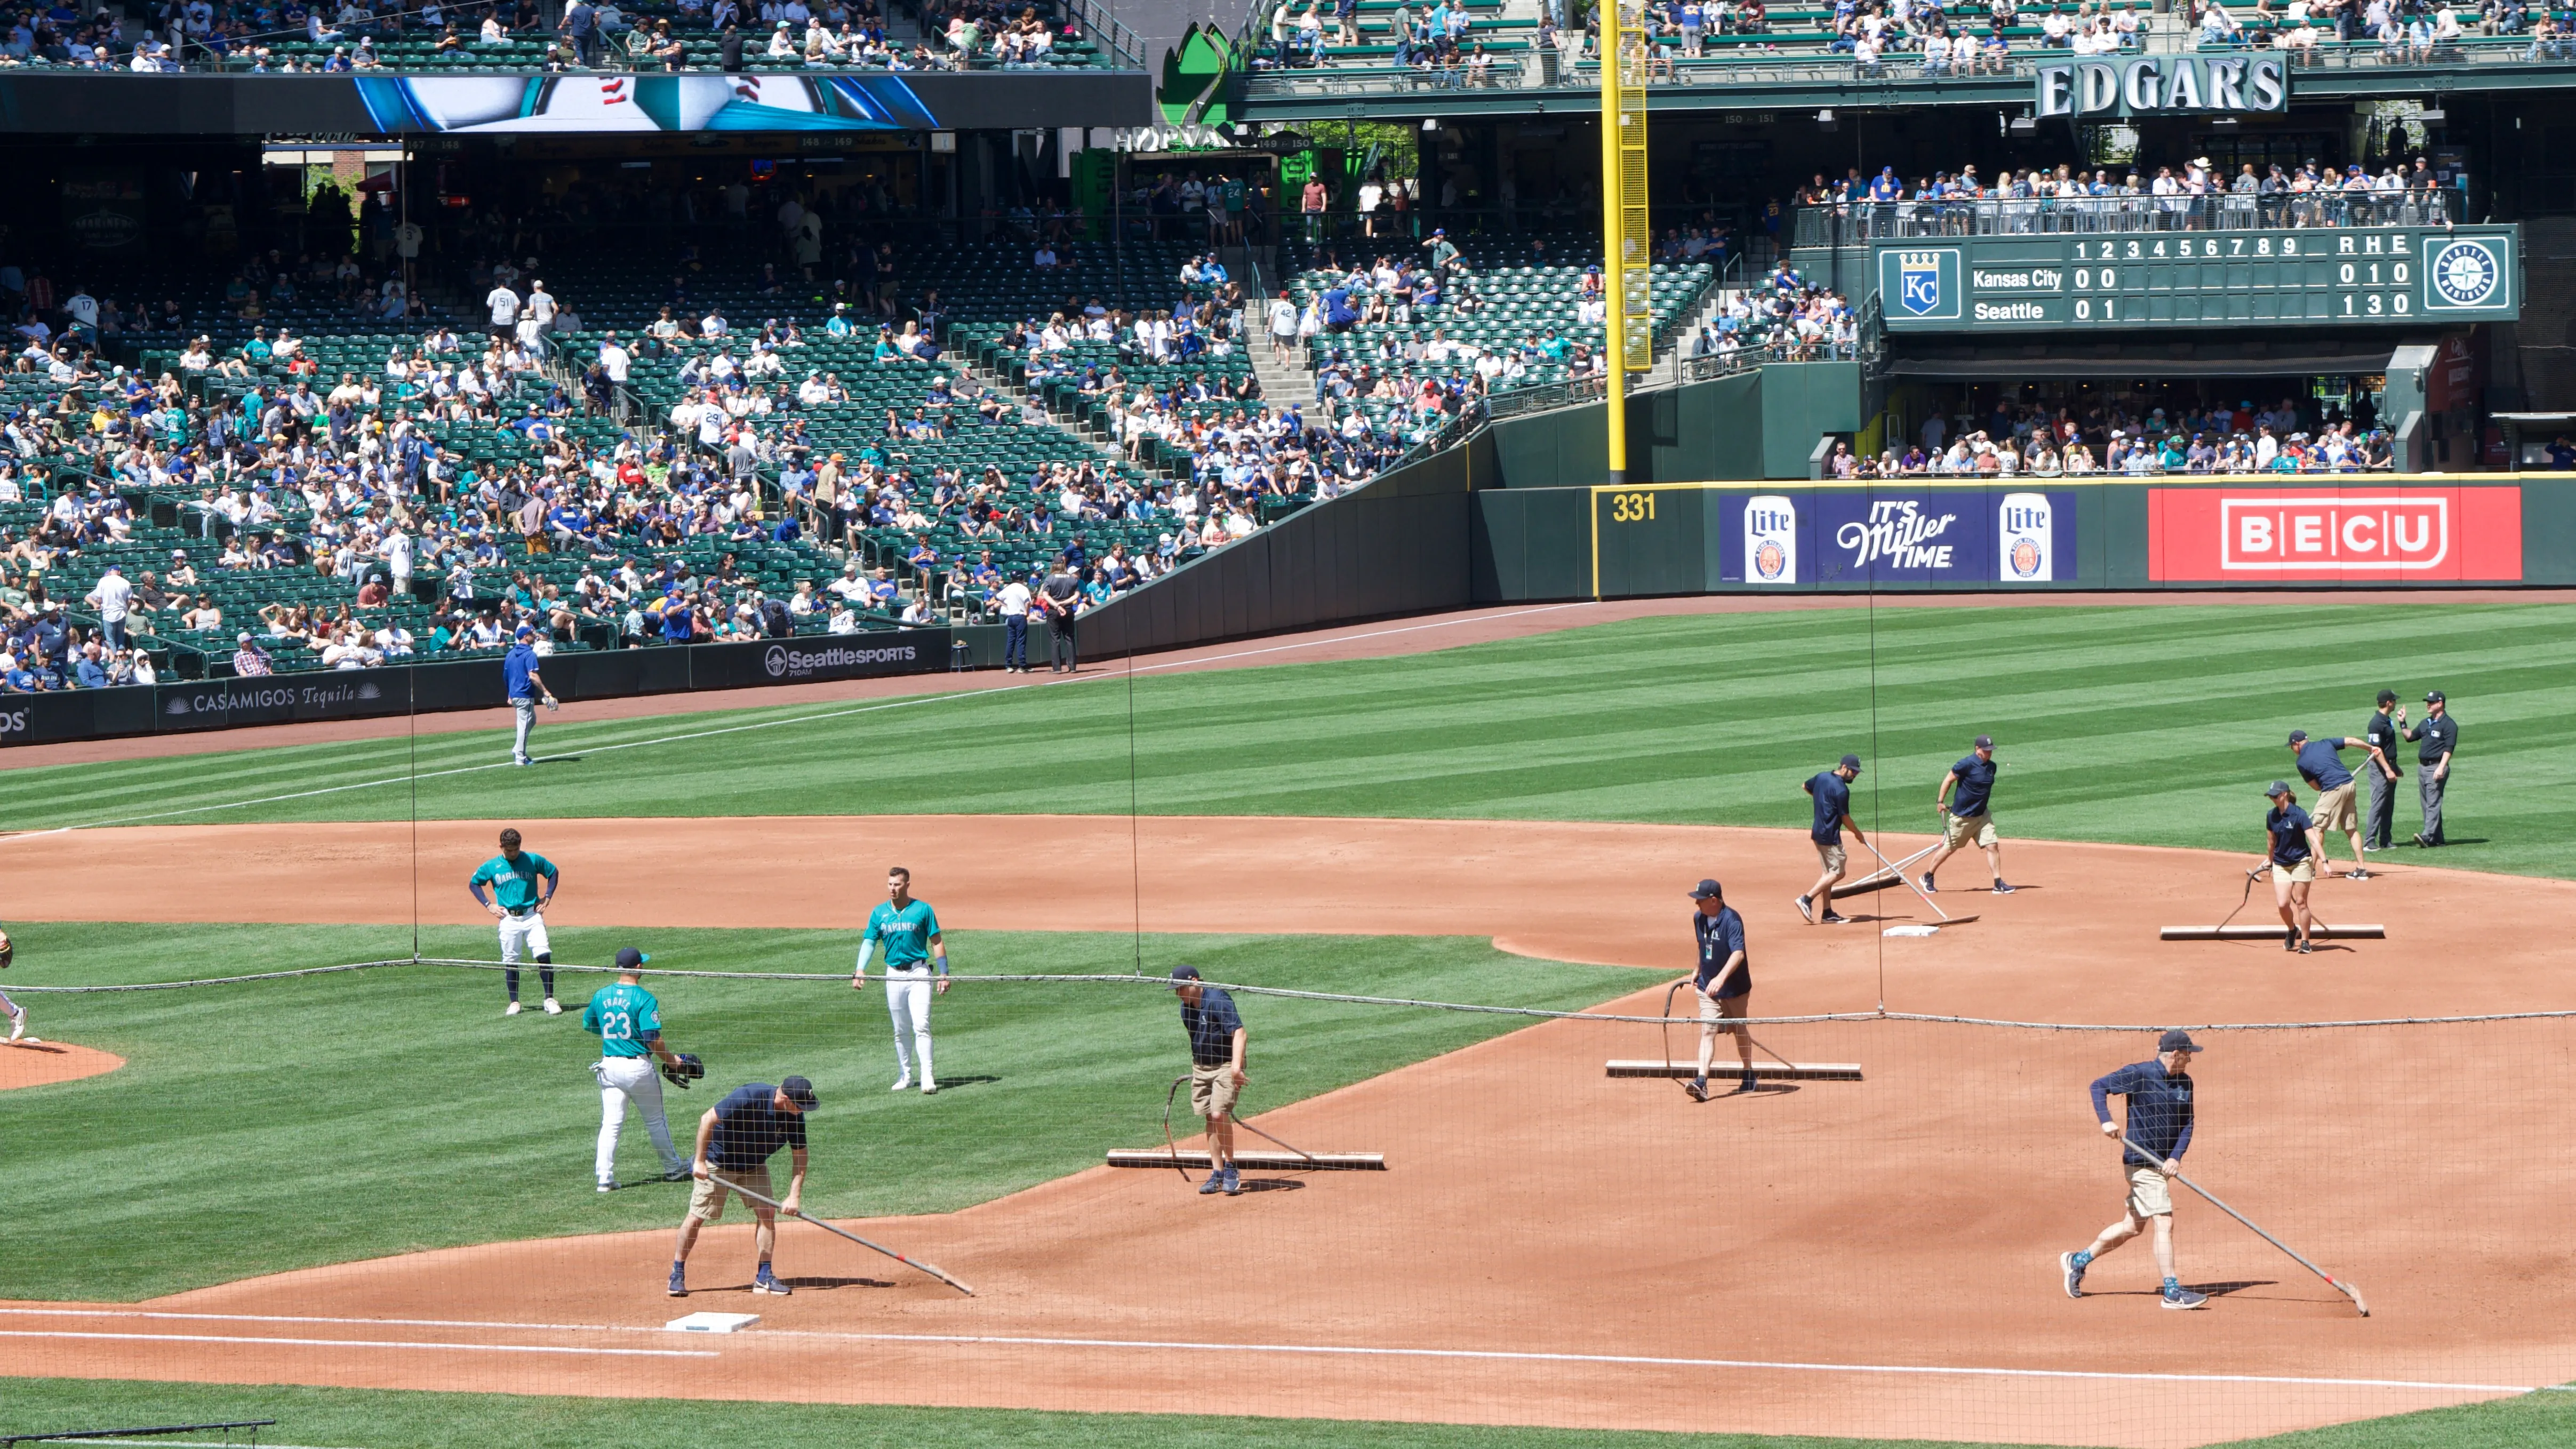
[1627, 233]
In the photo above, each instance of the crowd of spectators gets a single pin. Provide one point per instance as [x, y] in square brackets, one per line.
[2194, 195]
[2190, 438]
[1786, 319]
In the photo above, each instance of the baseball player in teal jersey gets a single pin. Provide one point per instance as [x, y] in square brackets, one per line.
[17, 1014]
[910, 930]
[628, 1022]
[519, 903]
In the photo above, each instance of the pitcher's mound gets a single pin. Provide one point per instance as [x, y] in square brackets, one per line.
[33, 1064]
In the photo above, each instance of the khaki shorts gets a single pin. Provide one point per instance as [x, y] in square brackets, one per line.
[1831, 855]
[2299, 874]
[1213, 1090]
[2335, 810]
[2150, 1195]
[1958, 830]
[707, 1196]
[1713, 1010]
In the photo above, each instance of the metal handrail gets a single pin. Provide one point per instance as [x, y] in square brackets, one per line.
[1858, 223]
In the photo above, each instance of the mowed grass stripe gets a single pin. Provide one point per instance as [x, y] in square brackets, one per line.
[396, 1110]
[393, 1419]
[2143, 724]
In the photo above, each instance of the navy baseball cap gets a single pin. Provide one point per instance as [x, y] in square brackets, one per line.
[628, 958]
[1851, 762]
[1707, 890]
[1183, 973]
[2298, 737]
[798, 1090]
[1985, 742]
[2276, 789]
[2176, 1040]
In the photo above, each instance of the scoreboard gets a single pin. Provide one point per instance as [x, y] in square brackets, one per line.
[2307, 276]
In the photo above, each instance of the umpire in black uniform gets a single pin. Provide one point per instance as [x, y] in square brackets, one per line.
[2440, 736]
[2382, 733]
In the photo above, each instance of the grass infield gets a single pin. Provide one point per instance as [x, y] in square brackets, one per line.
[397, 1110]
[2115, 723]
[382, 1419]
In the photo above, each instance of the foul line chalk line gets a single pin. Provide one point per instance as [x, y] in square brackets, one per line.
[367, 1343]
[1349, 1350]
[771, 724]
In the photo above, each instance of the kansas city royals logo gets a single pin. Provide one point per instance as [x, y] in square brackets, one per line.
[2468, 272]
[1919, 284]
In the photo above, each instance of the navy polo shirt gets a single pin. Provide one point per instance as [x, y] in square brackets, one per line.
[2321, 766]
[1211, 1025]
[1721, 936]
[1976, 783]
[750, 1128]
[1833, 802]
[2159, 1110]
[2288, 826]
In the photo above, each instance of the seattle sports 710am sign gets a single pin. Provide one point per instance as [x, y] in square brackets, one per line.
[2308, 276]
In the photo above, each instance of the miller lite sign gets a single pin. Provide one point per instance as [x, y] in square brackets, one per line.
[2025, 536]
[1770, 540]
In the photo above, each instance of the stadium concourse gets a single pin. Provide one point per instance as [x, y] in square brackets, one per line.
[1423, 1292]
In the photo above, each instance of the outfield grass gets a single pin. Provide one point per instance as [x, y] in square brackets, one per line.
[397, 1110]
[2142, 724]
[379, 1419]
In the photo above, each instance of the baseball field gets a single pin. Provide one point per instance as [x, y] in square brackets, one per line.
[1443, 865]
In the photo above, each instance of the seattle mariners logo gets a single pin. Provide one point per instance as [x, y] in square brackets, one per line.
[775, 661]
[2467, 273]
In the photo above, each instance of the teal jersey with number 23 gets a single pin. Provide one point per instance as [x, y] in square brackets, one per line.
[624, 1018]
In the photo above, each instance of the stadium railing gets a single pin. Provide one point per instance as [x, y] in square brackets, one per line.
[1858, 222]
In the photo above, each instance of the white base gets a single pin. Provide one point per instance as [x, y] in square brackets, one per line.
[1911, 931]
[712, 1322]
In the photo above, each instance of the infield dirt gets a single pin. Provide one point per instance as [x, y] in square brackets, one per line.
[1551, 1246]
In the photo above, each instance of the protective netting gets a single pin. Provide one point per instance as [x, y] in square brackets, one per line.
[1864, 1242]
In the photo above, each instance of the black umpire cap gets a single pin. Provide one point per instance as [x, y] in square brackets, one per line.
[1708, 890]
[2388, 696]
[2437, 697]
[799, 1091]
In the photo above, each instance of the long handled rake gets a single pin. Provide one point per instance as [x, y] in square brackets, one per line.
[799, 1215]
[2340, 1286]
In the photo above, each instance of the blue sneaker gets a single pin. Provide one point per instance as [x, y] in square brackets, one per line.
[766, 1282]
[1748, 1084]
[2177, 1296]
[2074, 1273]
[1698, 1089]
[1233, 1183]
[1215, 1184]
[679, 1280]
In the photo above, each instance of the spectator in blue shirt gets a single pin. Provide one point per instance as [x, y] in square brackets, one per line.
[2158, 1134]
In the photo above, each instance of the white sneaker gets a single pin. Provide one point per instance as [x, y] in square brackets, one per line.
[510, 1010]
[929, 1087]
[553, 1007]
[903, 1084]
[608, 1187]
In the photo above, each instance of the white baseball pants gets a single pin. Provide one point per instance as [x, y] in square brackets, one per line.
[529, 929]
[908, 1002]
[623, 1080]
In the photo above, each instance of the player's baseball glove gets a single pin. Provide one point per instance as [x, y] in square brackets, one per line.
[8, 950]
[688, 1070]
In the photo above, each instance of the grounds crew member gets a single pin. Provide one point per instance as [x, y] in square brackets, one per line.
[2382, 732]
[1217, 1045]
[1832, 793]
[1965, 818]
[2293, 844]
[736, 1139]
[2323, 769]
[1724, 979]
[628, 1022]
[2441, 739]
[2160, 1119]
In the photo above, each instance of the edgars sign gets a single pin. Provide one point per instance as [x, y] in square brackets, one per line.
[2145, 85]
